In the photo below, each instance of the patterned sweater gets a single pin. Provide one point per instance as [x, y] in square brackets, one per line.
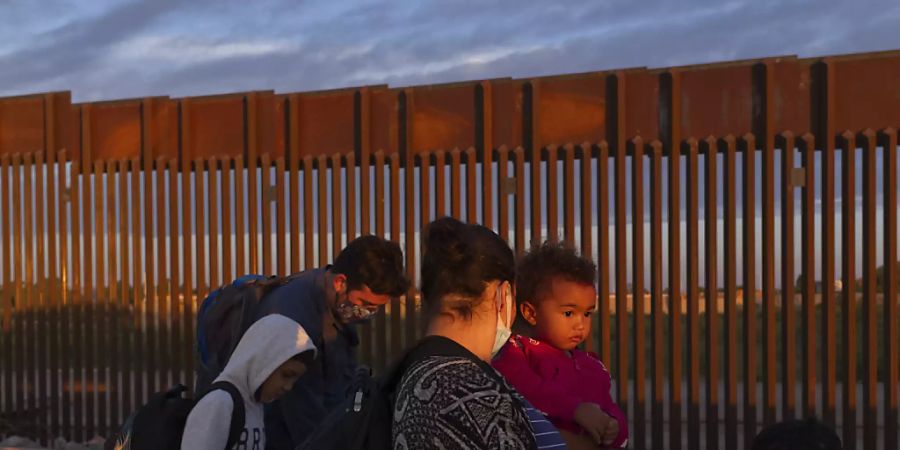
[453, 400]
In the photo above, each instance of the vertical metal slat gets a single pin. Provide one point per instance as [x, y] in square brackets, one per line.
[694, 349]
[870, 318]
[657, 296]
[848, 294]
[637, 273]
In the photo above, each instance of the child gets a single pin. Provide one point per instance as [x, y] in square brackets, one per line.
[556, 296]
[270, 357]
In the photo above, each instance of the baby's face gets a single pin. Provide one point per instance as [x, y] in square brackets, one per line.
[281, 380]
[563, 317]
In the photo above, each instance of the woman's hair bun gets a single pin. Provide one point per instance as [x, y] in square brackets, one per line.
[446, 240]
[458, 261]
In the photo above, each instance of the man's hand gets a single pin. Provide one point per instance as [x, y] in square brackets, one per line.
[599, 425]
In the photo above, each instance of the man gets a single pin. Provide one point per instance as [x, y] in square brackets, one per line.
[328, 302]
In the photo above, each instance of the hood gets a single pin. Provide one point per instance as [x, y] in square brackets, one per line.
[267, 344]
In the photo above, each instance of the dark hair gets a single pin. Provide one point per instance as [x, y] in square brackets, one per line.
[306, 357]
[458, 261]
[373, 262]
[809, 434]
[546, 262]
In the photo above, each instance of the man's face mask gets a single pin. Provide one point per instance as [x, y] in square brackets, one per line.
[349, 312]
[359, 306]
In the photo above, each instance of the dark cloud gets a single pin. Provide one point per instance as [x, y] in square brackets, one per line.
[58, 57]
[332, 44]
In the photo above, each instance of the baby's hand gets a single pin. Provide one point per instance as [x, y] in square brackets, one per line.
[596, 423]
[611, 431]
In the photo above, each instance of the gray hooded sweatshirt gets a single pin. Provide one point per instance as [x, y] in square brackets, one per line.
[266, 345]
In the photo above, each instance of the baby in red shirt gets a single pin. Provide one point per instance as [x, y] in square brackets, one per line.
[556, 298]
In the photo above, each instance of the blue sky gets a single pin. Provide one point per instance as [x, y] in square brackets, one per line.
[106, 49]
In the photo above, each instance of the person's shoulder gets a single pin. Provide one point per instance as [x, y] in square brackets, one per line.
[446, 371]
[525, 342]
[207, 423]
[516, 347]
[532, 348]
[302, 280]
[296, 298]
[216, 402]
[448, 380]
[442, 363]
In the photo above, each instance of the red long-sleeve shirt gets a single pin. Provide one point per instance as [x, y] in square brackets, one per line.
[556, 381]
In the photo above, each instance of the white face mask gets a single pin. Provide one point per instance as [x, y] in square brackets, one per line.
[503, 328]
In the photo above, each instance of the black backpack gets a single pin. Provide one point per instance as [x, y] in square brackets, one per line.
[222, 319]
[159, 424]
[364, 420]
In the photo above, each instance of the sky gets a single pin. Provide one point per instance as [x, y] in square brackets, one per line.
[109, 49]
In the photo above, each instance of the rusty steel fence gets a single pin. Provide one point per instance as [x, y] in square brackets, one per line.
[743, 215]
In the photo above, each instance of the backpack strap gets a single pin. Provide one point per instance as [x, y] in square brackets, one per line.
[238, 414]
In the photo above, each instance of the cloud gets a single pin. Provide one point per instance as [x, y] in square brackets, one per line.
[56, 58]
[187, 51]
[147, 47]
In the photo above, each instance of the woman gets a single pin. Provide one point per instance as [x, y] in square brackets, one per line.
[449, 396]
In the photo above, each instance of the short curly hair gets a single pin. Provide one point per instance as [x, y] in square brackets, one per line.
[373, 262]
[546, 262]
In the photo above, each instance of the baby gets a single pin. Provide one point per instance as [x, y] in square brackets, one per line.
[556, 298]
